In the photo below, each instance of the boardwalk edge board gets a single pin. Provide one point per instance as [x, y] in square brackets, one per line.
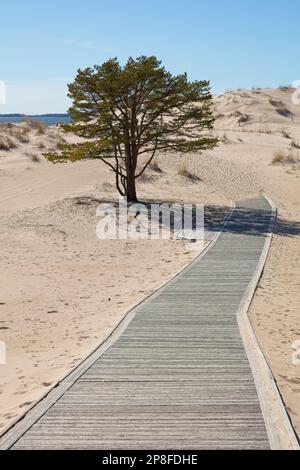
[281, 433]
[17, 428]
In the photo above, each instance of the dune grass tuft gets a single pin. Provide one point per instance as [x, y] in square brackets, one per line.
[155, 167]
[7, 144]
[33, 157]
[38, 126]
[285, 158]
[295, 145]
[278, 157]
[285, 134]
[184, 171]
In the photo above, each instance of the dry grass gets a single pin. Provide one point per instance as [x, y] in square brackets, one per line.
[33, 157]
[146, 178]
[278, 157]
[286, 135]
[284, 112]
[7, 144]
[285, 158]
[280, 108]
[295, 145]
[242, 117]
[6, 126]
[184, 171]
[155, 167]
[35, 125]
[61, 142]
[264, 130]
[285, 87]
[21, 134]
[276, 103]
[224, 138]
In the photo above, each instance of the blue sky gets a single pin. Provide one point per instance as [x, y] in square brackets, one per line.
[233, 43]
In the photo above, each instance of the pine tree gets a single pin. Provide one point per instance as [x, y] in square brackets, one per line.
[136, 110]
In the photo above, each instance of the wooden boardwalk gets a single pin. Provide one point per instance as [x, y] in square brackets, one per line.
[178, 377]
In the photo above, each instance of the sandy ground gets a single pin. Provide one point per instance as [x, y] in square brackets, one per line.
[62, 290]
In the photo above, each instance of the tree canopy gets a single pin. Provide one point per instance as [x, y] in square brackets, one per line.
[139, 109]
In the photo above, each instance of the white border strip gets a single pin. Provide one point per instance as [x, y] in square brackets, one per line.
[15, 430]
[279, 428]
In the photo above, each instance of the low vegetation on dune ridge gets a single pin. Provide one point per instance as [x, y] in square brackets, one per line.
[285, 134]
[183, 170]
[12, 135]
[6, 144]
[280, 108]
[35, 125]
[33, 157]
[155, 167]
[29, 136]
[295, 145]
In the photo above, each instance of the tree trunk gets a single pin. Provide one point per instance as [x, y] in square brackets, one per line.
[131, 188]
[130, 174]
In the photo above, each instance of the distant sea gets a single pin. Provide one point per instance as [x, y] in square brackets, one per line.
[48, 119]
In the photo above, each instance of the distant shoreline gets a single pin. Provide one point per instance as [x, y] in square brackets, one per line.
[48, 119]
[35, 115]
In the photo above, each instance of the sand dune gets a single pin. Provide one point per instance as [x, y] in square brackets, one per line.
[62, 290]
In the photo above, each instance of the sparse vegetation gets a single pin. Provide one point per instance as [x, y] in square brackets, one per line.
[61, 142]
[224, 138]
[280, 108]
[35, 125]
[155, 167]
[278, 157]
[264, 130]
[285, 134]
[184, 171]
[146, 178]
[6, 144]
[284, 112]
[33, 157]
[15, 132]
[285, 158]
[284, 87]
[295, 145]
[22, 135]
[243, 118]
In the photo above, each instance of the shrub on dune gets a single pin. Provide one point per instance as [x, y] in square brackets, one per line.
[6, 144]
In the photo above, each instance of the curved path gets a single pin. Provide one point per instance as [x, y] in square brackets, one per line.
[178, 376]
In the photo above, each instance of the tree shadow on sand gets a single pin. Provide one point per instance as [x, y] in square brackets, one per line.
[257, 222]
[213, 215]
[245, 221]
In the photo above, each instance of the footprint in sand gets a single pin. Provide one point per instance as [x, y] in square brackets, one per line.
[9, 416]
[293, 380]
[27, 403]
